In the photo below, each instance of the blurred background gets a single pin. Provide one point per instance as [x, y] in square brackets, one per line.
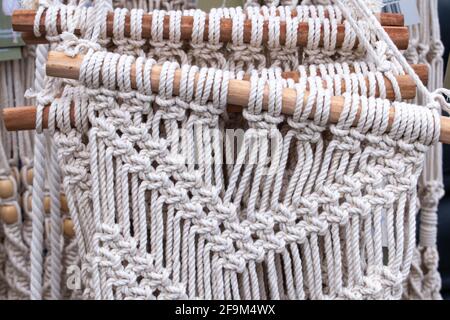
[444, 207]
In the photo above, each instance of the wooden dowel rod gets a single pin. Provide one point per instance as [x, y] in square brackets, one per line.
[391, 19]
[61, 66]
[24, 118]
[420, 69]
[23, 20]
[238, 94]
[25, 17]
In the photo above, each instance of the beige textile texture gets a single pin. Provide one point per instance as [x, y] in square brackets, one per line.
[173, 197]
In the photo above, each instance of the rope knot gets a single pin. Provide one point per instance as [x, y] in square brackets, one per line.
[440, 99]
[381, 50]
[437, 49]
[72, 45]
[431, 193]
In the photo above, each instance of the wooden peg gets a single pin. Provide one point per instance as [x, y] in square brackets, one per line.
[64, 206]
[9, 214]
[61, 66]
[6, 188]
[24, 118]
[47, 203]
[29, 176]
[68, 228]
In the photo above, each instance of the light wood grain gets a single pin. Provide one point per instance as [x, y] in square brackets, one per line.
[23, 20]
[62, 66]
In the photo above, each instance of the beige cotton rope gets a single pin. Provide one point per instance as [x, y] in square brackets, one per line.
[158, 215]
[281, 220]
[299, 209]
[15, 150]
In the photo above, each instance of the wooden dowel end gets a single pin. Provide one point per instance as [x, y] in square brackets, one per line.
[62, 66]
[20, 118]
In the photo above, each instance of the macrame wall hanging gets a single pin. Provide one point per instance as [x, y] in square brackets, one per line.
[164, 204]
[426, 47]
[15, 155]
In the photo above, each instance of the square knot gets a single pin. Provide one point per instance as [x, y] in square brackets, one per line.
[336, 215]
[315, 224]
[294, 234]
[253, 251]
[234, 262]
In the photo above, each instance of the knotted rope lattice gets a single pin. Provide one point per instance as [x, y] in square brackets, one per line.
[157, 215]
[166, 205]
